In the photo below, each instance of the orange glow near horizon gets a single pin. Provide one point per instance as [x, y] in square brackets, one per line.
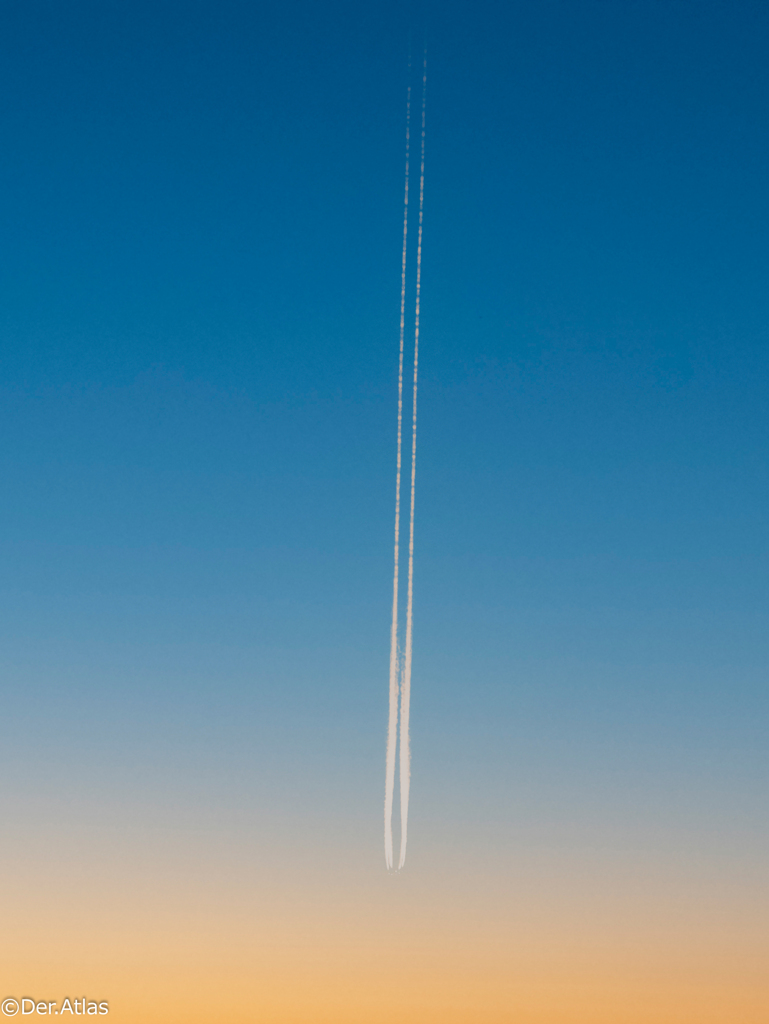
[167, 931]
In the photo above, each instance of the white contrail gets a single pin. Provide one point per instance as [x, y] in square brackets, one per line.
[392, 725]
[405, 759]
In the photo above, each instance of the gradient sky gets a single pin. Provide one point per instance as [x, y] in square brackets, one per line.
[200, 281]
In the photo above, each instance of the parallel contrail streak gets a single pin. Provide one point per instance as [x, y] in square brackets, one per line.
[392, 725]
[405, 759]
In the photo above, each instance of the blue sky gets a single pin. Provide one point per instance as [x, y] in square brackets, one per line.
[200, 280]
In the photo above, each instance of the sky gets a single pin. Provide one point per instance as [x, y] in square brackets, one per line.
[201, 211]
